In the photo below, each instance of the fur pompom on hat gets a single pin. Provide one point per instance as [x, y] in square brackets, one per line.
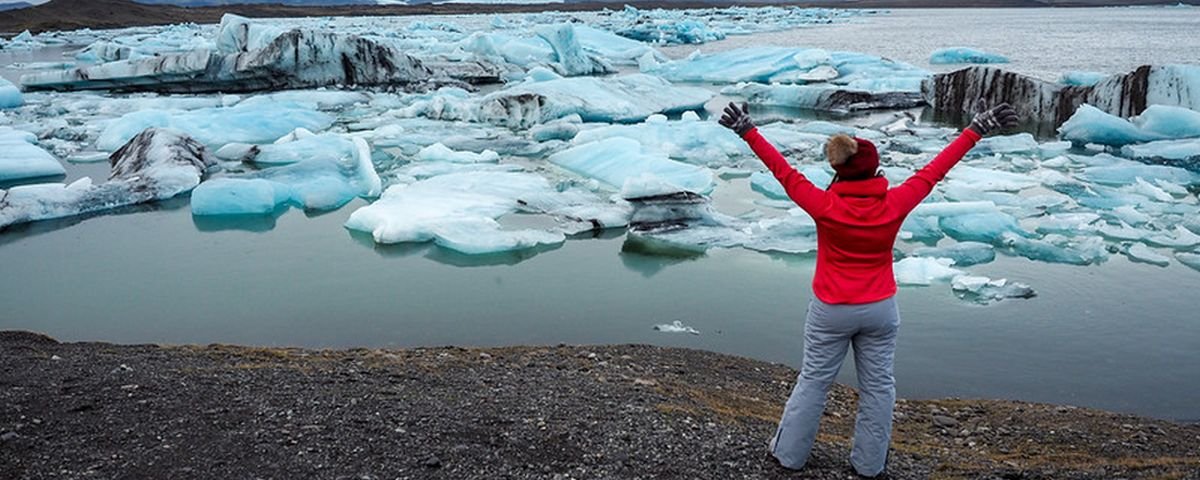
[852, 158]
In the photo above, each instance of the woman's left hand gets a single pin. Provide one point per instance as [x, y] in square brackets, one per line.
[737, 118]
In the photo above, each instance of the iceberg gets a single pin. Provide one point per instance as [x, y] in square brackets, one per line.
[617, 160]
[1143, 254]
[612, 47]
[21, 158]
[964, 254]
[1129, 173]
[955, 95]
[954, 55]
[1082, 79]
[764, 65]
[316, 183]
[215, 127]
[824, 97]
[980, 227]
[298, 58]
[984, 290]
[688, 139]
[1182, 239]
[304, 148]
[1190, 259]
[569, 53]
[1055, 248]
[441, 153]
[1180, 153]
[628, 98]
[10, 95]
[1157, 122]
[157, 164]
[924, 271]
[1066, 223]
[458, 211]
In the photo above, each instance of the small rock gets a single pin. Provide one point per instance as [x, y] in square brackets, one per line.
[55, 358]
[944, 421]
[485, 356]
[122, 368]
[432, 462]
[8, 436]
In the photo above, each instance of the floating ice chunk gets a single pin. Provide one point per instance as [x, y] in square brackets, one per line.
[21, 158]
[1143, 254]
[10, 95]
[980, 227]
[614, 48]
[1122, 232]
[688, 139]
[964, 254]
[1168, 121]
[765, 182]
[238, 196]
[568, 53]
[562, 129]
[984, 290]
[1092, 125]
[921, 229]
[1066, 223]
[767, 64]
[1007, 144]
[1082, 79]
[1183, 153]
[825, 97]
[990, 180]
[1129, 214]
[441, 153]
[317, 183]
[458, 211]
[1057, 248]
[1182, 239]
[676, 327]
[1190, 259]
[1128, 174]
[155, 165]
[238, 34]
[616, 160]
[948, 209]
[924, 271]
[964, 55]
[627, 98]
[215, 127]
[323, 146]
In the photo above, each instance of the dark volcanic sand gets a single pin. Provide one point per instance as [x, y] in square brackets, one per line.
[94, 410]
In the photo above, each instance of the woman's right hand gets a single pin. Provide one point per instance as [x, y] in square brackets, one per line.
[995, 120]
[737, 118]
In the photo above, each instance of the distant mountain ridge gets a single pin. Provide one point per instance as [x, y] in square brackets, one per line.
[14, 6]
[75, 14]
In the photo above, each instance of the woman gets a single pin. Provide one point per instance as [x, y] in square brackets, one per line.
[857, 219]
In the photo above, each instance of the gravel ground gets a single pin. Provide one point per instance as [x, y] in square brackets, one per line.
[94, 410]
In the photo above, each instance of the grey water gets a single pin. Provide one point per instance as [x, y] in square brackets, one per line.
[1119, 336]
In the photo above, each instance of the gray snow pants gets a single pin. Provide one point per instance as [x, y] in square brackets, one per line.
[828, 332]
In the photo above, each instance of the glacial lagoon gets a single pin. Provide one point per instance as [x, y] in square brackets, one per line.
[1117, 334]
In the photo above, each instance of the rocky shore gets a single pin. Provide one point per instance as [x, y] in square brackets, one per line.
[95, 410]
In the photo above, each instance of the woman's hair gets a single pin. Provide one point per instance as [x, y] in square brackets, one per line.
[840, 148]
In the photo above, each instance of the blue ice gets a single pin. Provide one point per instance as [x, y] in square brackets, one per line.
[1082, 79]
[1158, 122]
[964, 254]
[980, 227]
[10, 95]
[215, 127]
[616, 160]
[964, 55]
[318, 183]
[767, 64]
[21, 158]
[688, 139]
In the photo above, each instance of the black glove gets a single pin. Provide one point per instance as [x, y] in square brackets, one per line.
[737, 118]
[996, 119]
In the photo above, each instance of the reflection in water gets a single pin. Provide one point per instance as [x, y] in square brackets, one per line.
[21, 231]
[648, 256]
[247, 223]
[446, 256]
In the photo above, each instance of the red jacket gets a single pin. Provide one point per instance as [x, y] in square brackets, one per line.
[857, 221]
